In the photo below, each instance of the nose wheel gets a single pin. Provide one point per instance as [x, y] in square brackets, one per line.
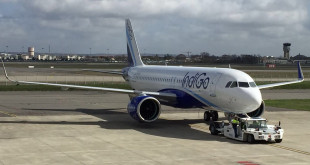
[210, 115]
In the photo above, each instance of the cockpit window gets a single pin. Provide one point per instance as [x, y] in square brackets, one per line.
[252, 84]
[228, 84]
[243, 84]
[234, 84]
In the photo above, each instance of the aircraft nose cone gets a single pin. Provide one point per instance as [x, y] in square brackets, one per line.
[252, 99]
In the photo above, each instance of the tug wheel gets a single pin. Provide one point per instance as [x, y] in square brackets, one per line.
[278, 140]
[251, 139]
[212, 129]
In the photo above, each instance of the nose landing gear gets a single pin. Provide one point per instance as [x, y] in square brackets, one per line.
[210, 115]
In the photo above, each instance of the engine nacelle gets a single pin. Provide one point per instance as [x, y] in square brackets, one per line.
[258, 112]
[144, 108]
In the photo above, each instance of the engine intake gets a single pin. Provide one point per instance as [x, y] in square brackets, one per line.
[258, 112]
[144, 108]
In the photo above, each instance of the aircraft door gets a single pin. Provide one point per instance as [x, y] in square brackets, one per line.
[213, 83]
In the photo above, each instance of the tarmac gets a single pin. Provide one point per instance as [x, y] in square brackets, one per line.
[89, 127]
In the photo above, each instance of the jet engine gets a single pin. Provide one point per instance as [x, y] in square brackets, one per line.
[144, 108]
[258, 112]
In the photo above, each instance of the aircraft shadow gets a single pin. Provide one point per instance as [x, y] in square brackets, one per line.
[119, 119]
[86, 111]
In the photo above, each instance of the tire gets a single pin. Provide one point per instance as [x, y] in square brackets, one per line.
[206, 116]
[212, 129]
[214, 115]
[251, 139]
[278, 140]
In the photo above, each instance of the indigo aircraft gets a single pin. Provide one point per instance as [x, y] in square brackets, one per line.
[213, 89]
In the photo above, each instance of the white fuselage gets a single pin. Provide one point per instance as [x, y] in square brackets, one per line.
[203, 84]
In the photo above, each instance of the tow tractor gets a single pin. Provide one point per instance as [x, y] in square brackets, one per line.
[249, 129]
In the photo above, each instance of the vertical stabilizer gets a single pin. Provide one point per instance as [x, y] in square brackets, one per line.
[134, 58]
[300, 74]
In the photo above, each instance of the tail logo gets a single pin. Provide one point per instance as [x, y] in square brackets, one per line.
[130, 32]
[134, 58]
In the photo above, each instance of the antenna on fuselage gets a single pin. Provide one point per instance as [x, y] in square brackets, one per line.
[229, 66]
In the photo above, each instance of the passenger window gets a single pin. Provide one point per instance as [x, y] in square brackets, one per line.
[228, 84]
[234, 84]
[252, 84]
[243, 84]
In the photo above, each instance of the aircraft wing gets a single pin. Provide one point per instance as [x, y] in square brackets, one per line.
[300, 79]
[103, 71]
[125, 91]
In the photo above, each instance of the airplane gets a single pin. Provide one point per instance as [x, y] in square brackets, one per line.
[214, 89]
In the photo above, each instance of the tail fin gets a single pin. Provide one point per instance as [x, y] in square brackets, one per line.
[134, 57]
[300, 74]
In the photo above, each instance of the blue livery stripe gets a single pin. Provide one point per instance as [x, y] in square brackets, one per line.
[300, 75]
[188, 99]
[201, 98]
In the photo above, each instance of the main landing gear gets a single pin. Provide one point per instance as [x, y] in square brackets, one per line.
[210, 115]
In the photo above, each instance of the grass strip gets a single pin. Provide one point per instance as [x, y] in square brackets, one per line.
[298, 104]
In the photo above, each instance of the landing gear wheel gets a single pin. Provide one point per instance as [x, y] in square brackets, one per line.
[278, 140]
[214, 115]
[251, 139]
[206, 116]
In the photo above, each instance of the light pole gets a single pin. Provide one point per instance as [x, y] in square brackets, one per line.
[89, 51]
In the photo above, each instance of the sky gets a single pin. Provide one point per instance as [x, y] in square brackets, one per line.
[161, 26]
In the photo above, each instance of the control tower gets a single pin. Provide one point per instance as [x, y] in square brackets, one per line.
[286, 49]
[31, 52]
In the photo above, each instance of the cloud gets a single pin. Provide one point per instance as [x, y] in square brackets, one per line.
[162, 26]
